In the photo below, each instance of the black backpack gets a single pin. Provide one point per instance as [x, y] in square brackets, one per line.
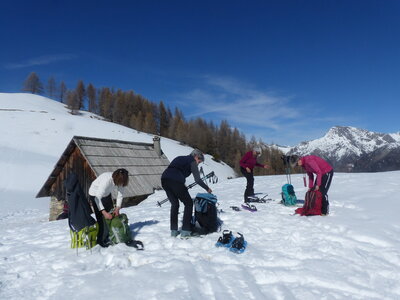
[205, 212]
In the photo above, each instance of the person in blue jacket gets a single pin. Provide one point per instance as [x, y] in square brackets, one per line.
[173, 182]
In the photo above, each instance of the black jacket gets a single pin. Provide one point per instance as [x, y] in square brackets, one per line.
[79, 212]
[180, 168]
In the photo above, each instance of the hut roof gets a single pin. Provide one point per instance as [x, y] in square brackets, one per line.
[143, 163]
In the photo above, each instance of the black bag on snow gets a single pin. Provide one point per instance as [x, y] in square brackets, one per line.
[205, 212]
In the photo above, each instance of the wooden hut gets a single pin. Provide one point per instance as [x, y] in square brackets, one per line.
[89, 157]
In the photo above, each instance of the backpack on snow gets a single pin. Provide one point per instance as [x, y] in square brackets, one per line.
[119, 231]
[288, 195]
[205, 212]
[83, 227]
[312, 204]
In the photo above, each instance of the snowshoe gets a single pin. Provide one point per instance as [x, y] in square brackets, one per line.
[249, 207]
[225, 240]
[238, 244]
[235, 208]
[136, 244]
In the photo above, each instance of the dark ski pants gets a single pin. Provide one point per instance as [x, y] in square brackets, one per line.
[250, 183]
[325, 185]
[102, 236]
[178, 191]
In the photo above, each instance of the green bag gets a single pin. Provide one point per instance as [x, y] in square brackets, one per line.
[119, 230]
[86, 237]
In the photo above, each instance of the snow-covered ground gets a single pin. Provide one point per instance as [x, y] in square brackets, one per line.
[354, 253]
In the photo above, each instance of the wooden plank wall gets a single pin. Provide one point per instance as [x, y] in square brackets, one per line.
[79, 165]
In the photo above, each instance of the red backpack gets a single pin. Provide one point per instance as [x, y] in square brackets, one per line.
[312, 204]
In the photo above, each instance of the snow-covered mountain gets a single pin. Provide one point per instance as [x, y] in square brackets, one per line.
[353, 149]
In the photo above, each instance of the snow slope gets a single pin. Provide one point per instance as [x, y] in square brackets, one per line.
[34, 132]
[351, 254]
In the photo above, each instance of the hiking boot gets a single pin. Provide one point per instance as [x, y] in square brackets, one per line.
[175, 233]
[185, 234]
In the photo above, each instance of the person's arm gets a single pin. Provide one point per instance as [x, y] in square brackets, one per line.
[120, 197]
[100, 206]
[98, 203]
[310, 180]
[196, 176]
[99, 187]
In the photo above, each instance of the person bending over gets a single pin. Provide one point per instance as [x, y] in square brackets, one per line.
[100, 193]
[313, 164]
[173, 182]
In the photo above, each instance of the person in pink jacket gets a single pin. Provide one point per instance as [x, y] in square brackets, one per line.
[247, 164]
[313, 164]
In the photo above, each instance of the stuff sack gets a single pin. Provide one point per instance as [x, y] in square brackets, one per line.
[119, 231]
[205, 212]
[85, 238]
[312, 204]
[288, 195]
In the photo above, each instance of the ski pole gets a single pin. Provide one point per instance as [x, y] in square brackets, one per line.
[210, 176]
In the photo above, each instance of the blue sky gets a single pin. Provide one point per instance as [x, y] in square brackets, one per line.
[283, 71]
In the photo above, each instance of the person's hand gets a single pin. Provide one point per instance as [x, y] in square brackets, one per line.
[316, 188]
[248, 170]
[209, 191]
[107, 215]
[116, 211]
[266, 166]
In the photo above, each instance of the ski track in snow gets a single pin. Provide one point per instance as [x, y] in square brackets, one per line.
[351, 254]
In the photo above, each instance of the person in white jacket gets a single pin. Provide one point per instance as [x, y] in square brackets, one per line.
[100, 192]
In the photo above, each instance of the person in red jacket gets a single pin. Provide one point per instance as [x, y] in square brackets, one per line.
[247, 164]
[313, 164]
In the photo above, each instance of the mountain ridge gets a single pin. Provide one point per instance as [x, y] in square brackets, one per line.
[349, 148]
